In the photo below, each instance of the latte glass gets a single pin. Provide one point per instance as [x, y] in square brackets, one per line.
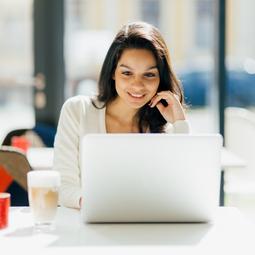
[43, 186]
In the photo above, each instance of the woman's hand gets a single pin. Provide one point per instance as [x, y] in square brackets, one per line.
[173, 111]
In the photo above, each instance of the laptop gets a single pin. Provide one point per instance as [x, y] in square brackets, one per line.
[150, 177]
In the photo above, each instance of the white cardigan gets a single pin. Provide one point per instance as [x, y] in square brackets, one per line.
[79, 117]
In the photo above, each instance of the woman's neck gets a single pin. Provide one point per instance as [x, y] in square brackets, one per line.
[120, 118]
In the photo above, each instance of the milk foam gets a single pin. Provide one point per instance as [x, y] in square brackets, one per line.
[43, 178]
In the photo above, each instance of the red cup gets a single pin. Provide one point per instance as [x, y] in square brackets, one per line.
[20, 142]
[4, 209]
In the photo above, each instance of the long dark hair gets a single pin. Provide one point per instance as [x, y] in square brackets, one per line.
[139, 35]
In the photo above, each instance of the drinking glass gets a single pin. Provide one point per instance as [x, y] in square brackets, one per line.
[43, 187]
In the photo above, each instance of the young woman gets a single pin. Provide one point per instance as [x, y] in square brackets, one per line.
[138, 93]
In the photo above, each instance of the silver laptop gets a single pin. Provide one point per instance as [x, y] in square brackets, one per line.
[150, 177]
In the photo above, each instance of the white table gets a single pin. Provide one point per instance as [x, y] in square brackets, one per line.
[228, 234]
[228, 160]
[42, 158]
[231, 160]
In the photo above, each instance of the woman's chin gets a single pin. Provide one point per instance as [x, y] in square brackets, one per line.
[136, 105]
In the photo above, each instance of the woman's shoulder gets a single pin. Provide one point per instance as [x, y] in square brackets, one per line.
[77, 101]
[82, 105]
[81, 101]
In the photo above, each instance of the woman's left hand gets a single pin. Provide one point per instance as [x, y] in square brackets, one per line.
[173, 111]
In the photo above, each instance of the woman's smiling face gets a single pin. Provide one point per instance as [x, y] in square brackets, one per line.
[136, 77]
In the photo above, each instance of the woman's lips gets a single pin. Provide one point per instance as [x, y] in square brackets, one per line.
[136, 95]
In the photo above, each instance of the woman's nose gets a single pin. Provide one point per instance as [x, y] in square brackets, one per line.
[137, 82]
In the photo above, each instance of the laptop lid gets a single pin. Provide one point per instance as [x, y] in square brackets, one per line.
[150, 177]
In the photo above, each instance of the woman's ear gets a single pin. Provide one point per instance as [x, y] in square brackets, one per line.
[113, 76]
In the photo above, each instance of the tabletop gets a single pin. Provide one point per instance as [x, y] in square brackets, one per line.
[229, 233]
[42, 158]
[231, 160]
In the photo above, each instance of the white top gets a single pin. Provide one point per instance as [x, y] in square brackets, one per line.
[79, 117]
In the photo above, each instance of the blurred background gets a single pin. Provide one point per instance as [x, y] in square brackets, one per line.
[52, 50]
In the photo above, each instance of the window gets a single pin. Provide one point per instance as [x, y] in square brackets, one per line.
[16, 65]
[204, 23]
[150, 11]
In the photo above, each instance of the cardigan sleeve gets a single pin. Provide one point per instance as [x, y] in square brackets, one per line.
[66, 153]
[180, 126]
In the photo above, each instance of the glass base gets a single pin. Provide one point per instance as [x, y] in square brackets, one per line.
[44, 227]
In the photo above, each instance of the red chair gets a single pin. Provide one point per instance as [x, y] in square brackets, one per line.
[13, 174]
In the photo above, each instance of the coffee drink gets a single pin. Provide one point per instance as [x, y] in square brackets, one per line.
[43, 202]
[43, 195]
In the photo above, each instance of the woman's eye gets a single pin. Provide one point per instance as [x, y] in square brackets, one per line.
[150, 75]
[127, 73]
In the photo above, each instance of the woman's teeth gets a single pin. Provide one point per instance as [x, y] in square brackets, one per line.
[136, 95]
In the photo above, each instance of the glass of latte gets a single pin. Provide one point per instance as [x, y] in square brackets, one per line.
[43, 186]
